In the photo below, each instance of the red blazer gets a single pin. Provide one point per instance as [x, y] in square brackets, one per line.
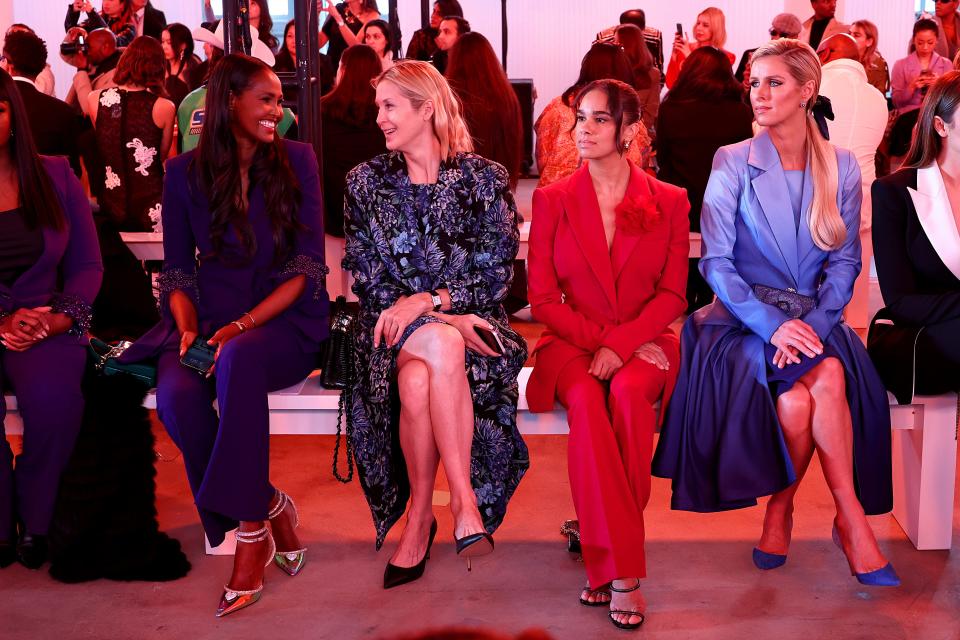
[589, 298]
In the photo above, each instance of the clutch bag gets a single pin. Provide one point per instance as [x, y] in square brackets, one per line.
[105, 355]
[793, 304]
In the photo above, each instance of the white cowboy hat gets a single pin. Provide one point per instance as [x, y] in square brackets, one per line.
[259, 49]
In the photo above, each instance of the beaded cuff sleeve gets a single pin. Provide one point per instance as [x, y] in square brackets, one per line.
[307, 266]
[177, 280]
[77, 309]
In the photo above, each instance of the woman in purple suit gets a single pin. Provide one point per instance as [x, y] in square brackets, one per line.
[50, 272]
[243, 249]
[769, 372]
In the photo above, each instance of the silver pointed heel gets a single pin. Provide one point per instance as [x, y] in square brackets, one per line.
[233, 600]
[290, 562]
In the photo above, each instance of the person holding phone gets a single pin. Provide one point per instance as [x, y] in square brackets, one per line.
[432, 231]
[607, 268]
[914, 74]
[244, 310]
[709, 31]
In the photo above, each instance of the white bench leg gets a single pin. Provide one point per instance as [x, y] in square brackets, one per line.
[924, 469]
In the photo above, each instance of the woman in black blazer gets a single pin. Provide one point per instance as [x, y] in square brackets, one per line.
[915, 339]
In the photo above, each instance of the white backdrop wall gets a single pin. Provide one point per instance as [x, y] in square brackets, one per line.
[547, 37]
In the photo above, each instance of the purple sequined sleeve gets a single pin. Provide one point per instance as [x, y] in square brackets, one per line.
[77, 309]
[177, 280]
[314, 270]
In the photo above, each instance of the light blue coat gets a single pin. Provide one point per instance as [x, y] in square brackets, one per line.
[750, 237]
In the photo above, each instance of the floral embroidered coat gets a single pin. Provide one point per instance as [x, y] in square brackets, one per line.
[462, 234]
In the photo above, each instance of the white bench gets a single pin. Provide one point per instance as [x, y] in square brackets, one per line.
[924, 447]
[925, 468]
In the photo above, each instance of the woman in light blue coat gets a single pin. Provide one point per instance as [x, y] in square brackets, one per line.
[769, 372]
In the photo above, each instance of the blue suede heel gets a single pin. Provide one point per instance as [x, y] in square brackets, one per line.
[766, 561]
[882, 577]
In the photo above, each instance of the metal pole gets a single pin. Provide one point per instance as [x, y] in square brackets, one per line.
[308, 75]
[236, 27]
[394, 19]
[504, 35]
[230, 12]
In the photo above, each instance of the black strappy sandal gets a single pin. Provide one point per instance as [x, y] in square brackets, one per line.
[602, 591]
[626, 625]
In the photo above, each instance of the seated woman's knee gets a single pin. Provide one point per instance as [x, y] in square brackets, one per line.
[441, 347]
[630, 386]
[828, 379]
[792, 406]
[413, 383]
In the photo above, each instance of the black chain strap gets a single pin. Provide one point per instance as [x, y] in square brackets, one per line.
[345, 406]
[336, 447]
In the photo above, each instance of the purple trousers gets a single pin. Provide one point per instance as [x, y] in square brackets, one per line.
[46, 380]
[227, 458]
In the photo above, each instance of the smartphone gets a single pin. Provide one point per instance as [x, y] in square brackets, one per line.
[679, 29]
[490, 338]
[199, 355]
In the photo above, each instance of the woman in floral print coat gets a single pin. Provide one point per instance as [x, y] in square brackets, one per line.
[432, 231]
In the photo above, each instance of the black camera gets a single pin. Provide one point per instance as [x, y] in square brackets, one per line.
[74, 47]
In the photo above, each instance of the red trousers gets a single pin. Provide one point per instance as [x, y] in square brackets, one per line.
[608, 455]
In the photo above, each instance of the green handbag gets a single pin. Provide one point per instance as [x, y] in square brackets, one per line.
[104, 356]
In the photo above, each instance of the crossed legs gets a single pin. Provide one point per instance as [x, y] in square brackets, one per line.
[436, 424]
[814, 414]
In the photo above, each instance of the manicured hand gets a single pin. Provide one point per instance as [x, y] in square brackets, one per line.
[223, 335]
[393, 321]
[680, 45]
[794, 337]
[652, 353]
[605, 363]
[782, 359]
[186, 339]
[466, 324]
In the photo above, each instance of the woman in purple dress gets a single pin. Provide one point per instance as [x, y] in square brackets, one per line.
[769, 372]
[243, 248]
[50, 272]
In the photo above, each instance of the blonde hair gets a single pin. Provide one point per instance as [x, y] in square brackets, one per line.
[826, 225]
[718, 26]
[420, 82]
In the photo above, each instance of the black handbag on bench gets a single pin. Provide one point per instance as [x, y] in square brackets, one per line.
[337, 372]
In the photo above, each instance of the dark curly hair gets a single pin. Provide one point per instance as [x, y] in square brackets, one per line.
[26, 52]
[142, 63]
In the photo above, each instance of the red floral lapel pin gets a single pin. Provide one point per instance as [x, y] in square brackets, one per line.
[636, 215]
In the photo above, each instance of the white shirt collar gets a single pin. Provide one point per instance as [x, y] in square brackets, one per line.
[27, 80]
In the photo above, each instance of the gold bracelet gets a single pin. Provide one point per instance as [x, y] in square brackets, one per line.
[253, 321]
[240, 325]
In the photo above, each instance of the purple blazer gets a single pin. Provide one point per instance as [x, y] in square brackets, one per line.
[72, 255]
[224, 287]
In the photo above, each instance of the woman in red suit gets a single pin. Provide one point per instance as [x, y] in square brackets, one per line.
[607, 268]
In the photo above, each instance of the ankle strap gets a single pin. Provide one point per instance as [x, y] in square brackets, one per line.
[278, 508]
[251, 537]
[633, 588]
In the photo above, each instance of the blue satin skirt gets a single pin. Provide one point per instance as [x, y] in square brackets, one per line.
[721, 441]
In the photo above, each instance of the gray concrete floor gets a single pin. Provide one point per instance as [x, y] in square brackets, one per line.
[701, 582]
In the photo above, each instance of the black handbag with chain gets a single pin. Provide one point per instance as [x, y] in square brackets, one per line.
[337, 372]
